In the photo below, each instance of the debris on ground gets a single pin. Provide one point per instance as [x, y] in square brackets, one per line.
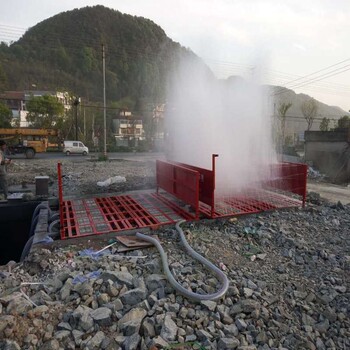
[314, 174]
[111, 180]
[293, 295]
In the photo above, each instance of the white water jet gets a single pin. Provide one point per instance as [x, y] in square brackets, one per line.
[231, 118]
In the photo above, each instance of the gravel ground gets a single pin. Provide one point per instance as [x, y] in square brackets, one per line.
[80, 177]
[289, 274]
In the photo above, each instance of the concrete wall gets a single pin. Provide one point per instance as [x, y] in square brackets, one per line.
[329, 151]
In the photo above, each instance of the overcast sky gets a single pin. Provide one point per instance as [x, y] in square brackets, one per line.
[282, 39]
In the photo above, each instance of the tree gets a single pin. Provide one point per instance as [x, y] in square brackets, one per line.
[309, 109]
[5, 116]
[3, 79]
[44, 111]
[344, 122]
[324, 126]
[282, 111]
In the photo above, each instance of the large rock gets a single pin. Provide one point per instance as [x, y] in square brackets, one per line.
[118, 305]
[40, 298]
[158, 343]
[9, 345]
[86, 322]
[84, 288]
[130, 323]
[78, 336]
[118, 276]
[95, 342]
[210, 305]
[18, 306]
[249, 305]
[241, 325]
[62, 335]
[6, 321]
[81, 318]
[66, 289]
[148, 329]
[228, 343]
[40, 310]
[155, 281]
[64, 326]
[132, 342]
[133, 296]
[230, 329]
[204, 336]
[52, 344]
[169, 329]
[102, 316]
[322, 327]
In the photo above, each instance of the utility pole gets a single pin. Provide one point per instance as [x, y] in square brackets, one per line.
[84, 126]
[76, 103]
[104, 102]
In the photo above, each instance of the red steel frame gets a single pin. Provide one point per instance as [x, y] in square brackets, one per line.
[60, 194]
[193, 186]
[181, 182]
[290, 178]
[206, 183]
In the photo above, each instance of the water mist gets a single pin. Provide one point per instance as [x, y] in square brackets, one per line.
[227, 117]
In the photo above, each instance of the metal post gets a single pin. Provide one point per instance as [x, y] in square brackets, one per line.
[104, 102]
[76, 121]
[76, 103]
[60, 197]
[213, 158]
[84, 125]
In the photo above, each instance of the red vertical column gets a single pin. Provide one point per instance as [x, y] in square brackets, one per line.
[304, 183]
[213, 159]
[60, 196]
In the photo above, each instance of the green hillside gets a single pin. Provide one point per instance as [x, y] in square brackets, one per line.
[64, 52]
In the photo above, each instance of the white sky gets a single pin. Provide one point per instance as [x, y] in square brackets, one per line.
[285, 38]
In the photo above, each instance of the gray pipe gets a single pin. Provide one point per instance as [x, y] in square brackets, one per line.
[216, 271]
[41, 205]
[54, 216]
[53, 223]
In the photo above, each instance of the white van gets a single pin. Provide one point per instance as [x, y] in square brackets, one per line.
[75, 147]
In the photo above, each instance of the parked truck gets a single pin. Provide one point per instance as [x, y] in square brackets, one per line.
[26, 140]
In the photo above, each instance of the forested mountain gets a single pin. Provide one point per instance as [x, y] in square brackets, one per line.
[64, 52]
[284, 95]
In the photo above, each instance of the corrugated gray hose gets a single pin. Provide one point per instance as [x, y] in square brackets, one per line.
[216, 271]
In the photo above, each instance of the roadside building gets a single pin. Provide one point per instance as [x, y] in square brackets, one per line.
[329, 152]
[17, 100]
[128, 130]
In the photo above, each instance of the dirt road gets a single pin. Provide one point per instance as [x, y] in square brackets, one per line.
[333, 193]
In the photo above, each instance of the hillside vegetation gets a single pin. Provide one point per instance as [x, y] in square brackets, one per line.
[65, 52]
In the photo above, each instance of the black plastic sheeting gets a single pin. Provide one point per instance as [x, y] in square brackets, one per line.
[15, 220]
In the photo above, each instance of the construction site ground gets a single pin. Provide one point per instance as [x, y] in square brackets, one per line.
[288, 270]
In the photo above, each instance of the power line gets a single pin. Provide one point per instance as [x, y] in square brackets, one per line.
[323, 76]
[321, 70]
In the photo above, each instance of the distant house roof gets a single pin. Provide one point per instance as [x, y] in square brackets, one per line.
[12, 95]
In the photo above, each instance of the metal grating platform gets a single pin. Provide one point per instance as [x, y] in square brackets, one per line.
[249, 202]
[183, 192]
[84, 217]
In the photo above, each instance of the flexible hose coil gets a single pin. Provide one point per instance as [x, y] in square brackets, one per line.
[189, 294]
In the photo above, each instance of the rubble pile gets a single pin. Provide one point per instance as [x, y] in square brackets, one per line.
[289, 275]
